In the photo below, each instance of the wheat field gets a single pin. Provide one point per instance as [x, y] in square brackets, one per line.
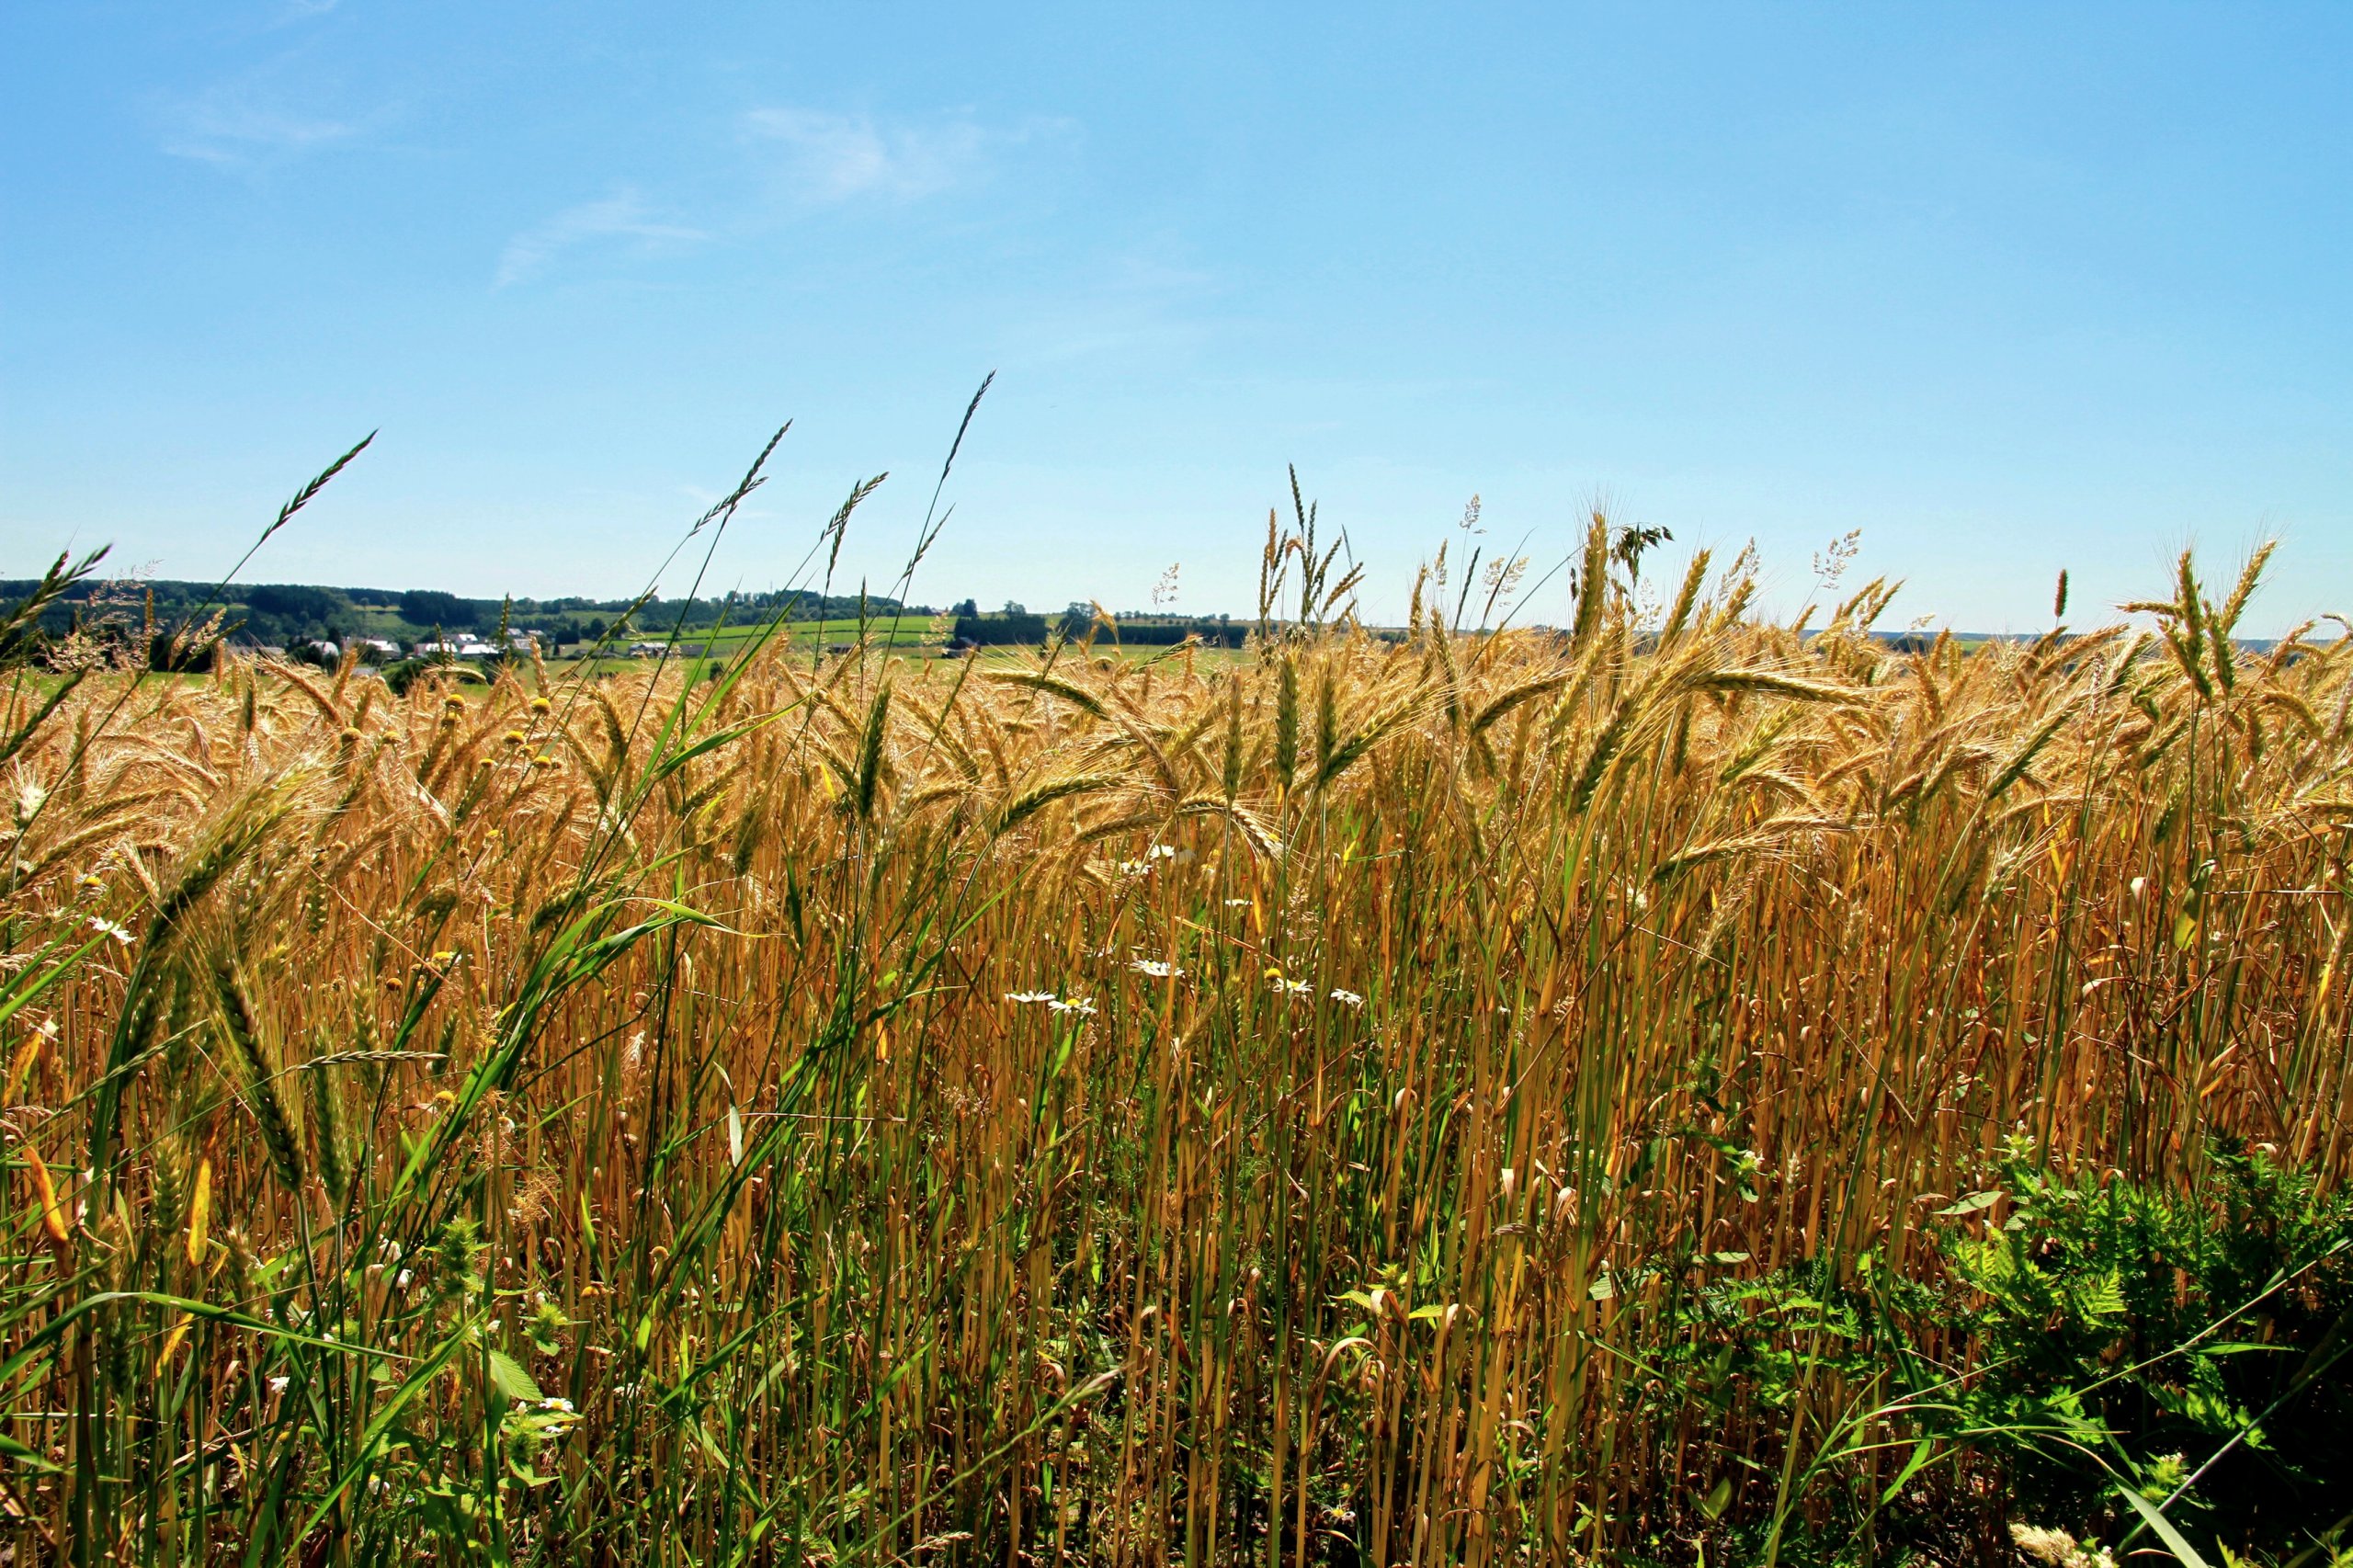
[1092, 1109]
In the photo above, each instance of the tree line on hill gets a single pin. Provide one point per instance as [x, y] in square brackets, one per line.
[1016, 626]
[297, 616]
[147, 615]
[293, 615]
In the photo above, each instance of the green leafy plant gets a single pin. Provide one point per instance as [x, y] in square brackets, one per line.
[2182, 1347]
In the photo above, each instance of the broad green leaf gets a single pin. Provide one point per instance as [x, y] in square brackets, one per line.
[507, 1376]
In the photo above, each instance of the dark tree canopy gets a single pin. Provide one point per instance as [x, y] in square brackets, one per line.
[294, 601]
[431, 606]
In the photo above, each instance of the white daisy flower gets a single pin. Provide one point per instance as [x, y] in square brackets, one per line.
[1155, 968]
[1348, 998]
[1078, 1005]
[1028, 998]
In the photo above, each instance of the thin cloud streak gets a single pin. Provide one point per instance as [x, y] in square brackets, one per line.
[828, 158]
[620, 216]
[820, 158]
[228, 129]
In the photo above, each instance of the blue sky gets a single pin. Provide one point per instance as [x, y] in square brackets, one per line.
[2007, 287]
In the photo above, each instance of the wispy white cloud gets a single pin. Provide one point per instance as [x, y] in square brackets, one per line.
[620, 216]
[231, 126]
[818, 157]
[829, 157]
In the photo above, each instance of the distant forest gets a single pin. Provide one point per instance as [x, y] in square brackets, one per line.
[289, 614]
[292, 615]
[1015, 625]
